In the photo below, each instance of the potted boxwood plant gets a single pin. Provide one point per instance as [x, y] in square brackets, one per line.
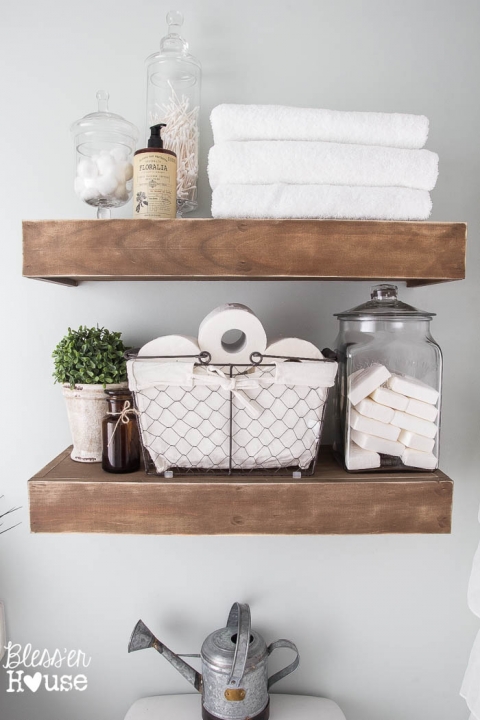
[87, 362]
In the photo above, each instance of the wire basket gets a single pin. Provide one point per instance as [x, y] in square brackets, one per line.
[196, 417]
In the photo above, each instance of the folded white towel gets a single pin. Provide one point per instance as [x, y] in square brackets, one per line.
[320, 201]
[320, 163]
[277, 122]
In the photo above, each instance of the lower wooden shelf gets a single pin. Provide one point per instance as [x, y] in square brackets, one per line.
[72, 497]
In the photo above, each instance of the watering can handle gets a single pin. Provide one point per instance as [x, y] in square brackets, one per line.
[286, 670]
[239, 620]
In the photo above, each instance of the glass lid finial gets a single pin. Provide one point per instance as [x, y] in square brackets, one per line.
[385, 291]
[174, 22]
[102, 99]
[173, 40]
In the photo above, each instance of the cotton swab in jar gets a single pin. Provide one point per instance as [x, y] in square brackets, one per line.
[181, 136]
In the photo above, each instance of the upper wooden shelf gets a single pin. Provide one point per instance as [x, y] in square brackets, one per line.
[69, 251]
[68, 496]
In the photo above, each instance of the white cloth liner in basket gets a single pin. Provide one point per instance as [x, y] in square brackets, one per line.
[277, 412]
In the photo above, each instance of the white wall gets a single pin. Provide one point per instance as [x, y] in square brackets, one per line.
[381, 622]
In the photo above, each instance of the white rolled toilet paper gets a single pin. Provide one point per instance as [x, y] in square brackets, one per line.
[224, 319]
[171, 345]
[293, 347]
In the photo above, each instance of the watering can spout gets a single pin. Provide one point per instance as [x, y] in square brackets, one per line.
[142, 638]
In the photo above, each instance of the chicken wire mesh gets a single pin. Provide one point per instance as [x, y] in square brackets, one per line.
[209, 428]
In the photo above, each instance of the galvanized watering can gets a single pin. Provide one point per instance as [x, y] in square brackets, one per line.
[234, 683]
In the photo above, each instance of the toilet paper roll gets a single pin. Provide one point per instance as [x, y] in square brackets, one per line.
[233, 316]
[293, 347]
[172, 345]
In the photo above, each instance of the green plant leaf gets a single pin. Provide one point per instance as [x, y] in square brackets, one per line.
[90, 355]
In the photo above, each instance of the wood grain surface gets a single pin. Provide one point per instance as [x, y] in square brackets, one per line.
[69, 251]
[67, 496]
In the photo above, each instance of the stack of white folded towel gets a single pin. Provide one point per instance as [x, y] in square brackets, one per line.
[272, 161]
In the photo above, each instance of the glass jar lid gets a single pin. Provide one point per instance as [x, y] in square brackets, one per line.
[384, 303]
[173, 44]
[121, 393]
[104, 121]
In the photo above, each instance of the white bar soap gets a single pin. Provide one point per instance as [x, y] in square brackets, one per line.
[414, 424]
[370, 442]
[359, 459]
[413, 388]
[422, 410]
[391, 399]
[416, 442]
[361, 384]
[418, 459]
[374, 410]
[373, 427]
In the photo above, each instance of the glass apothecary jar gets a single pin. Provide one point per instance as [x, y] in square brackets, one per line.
[173, 98]
[389, 384]
[104, 147]
[120, 436]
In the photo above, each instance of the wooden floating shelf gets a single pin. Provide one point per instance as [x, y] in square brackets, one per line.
[67, 496]
[70, 251]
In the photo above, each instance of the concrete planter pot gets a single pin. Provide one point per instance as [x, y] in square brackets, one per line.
[86, 406]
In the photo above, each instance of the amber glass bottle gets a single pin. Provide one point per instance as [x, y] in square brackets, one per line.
[120, 439]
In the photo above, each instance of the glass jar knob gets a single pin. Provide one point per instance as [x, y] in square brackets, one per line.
[173, 41]
[384, 291]
[174, 22]
[102, 99]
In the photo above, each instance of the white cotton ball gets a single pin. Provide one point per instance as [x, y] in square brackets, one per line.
[87, 169]
[91, 182]
[105, 163]
[89, 194]
[119, 153]
[107, 184]
[124, 171]
[121, 193]
[79, 185]
[120, 171]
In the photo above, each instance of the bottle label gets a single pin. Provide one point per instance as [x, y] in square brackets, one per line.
[154, 185]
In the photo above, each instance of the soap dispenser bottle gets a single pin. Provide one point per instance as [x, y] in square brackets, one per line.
[155, 179]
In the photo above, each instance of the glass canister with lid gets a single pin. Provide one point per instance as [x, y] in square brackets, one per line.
[389, 384]
[104, 147]
[173, 98]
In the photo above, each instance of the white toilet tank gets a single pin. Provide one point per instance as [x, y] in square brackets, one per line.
[188, 707]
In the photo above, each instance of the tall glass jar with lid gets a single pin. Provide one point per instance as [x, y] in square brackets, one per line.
[389, 384]
[173, 98]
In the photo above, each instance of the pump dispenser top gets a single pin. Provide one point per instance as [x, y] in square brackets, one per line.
[155, 139]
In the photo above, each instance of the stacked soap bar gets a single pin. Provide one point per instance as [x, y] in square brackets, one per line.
[390, 414]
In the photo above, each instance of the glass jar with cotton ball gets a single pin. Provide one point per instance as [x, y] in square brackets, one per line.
[173, 98]
[104, 147]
